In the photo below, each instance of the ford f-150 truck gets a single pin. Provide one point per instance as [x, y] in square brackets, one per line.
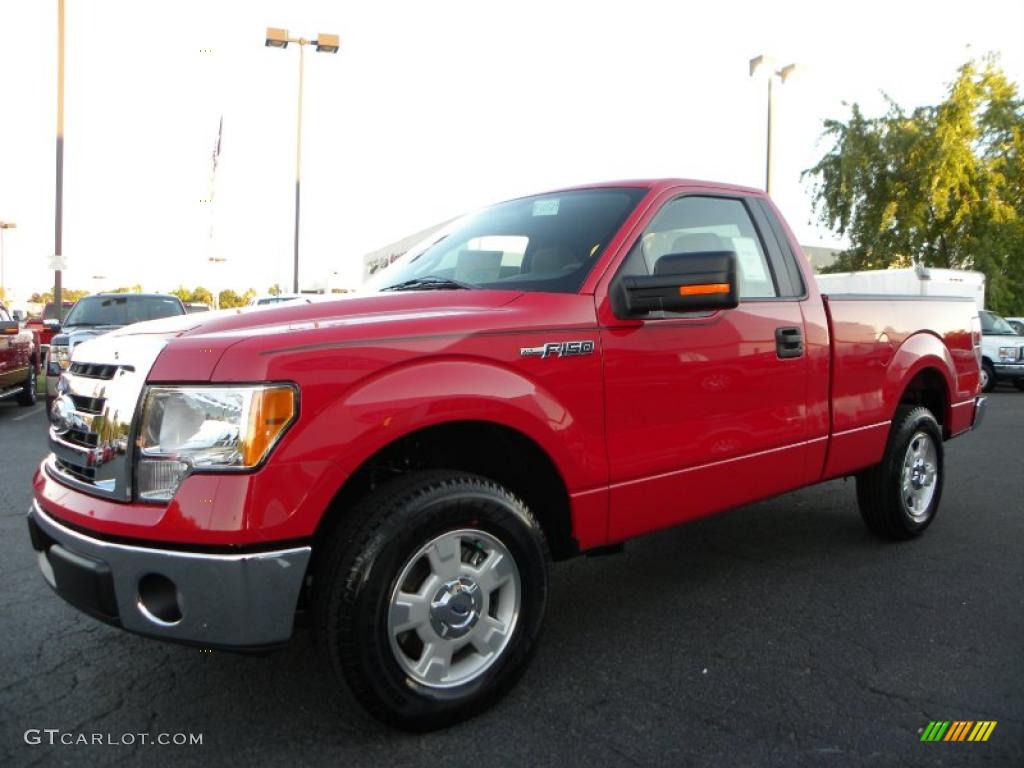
[553, 375]
[19, 359]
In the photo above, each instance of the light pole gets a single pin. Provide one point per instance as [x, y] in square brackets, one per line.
[58, 207]
[765, 65]
[278, 38]
[4, 226]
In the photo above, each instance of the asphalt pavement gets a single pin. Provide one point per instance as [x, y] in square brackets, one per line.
[778, 634]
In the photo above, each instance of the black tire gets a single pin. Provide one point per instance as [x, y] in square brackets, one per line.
[989, 377]
[357, 573]
[1019, 384]
[880, 494]
[27, 397]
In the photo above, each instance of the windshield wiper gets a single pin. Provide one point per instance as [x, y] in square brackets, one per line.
[429, 283]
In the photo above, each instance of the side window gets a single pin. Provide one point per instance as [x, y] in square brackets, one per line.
[694, 224]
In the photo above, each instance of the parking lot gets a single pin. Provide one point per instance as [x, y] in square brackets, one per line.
[779, 634]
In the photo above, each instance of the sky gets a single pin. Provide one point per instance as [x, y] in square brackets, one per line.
[429, 110]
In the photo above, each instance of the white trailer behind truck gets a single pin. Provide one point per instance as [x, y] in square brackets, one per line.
[912, 281]
[1002, 350]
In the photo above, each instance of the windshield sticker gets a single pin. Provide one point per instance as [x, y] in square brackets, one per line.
[749, 257]
[545, 207]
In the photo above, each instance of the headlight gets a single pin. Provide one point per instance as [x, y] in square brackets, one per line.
[213, 428]
[61, 356]
[1007, 354]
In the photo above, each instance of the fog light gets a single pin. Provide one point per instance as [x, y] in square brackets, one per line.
[158, 599]
[159, 478]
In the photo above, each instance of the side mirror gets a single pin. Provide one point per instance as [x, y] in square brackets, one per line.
[18, 315]
[682, 282]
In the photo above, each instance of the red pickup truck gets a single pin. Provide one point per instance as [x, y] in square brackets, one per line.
[20, 359]
[553, 375]
[48, 322]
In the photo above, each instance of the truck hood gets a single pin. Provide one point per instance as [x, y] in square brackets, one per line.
[195, 343]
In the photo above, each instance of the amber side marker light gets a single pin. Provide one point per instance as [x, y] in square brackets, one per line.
[272, 412]
[704, 289]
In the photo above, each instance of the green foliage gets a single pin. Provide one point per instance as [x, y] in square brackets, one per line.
[198, 294]
[275, 289]
[127, 289]
[66, 294]
[942, 185]
[228, 298]
[248, 295]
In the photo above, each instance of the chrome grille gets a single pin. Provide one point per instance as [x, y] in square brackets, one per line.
[91, 421]
[96, 370]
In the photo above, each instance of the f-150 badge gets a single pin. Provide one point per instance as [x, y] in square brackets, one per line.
[559, 349]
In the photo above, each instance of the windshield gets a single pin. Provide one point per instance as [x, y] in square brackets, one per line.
[994, 325]
[50, 310]
[541, 243]
[122, 309]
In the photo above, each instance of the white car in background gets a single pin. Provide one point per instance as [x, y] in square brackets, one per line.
[281, 298]
[1002, 352]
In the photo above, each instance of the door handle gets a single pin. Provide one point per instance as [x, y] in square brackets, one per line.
[789, 342]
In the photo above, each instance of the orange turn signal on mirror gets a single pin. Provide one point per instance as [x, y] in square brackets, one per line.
[703, 289]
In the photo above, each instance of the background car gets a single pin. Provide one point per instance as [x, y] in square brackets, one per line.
[196, 306]
[20, 359]
[101, 313]
[48, 322]
[281, 298]
[1017, 323]
[1002, 352]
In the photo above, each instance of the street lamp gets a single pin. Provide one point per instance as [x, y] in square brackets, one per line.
[4, 226]
[760, 66]
[278, 38]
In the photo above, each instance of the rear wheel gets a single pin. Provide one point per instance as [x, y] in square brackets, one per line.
[899, 497]
[27, 396]
[430, 597]
[988, 376]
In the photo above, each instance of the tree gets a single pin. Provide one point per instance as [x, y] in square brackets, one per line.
[128, 289]
[228, 298]
[942, 186]
[198, 294]
[66, 294]
[249, 295]
[275, 289]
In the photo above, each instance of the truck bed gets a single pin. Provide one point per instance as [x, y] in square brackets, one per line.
[875, 341]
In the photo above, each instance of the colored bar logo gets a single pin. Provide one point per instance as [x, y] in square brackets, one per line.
[958, 730]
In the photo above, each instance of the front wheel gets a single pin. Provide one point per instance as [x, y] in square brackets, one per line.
[898, 498]
[988, 376]
[430, 597]
[27, 396]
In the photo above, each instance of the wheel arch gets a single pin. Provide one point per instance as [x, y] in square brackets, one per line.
[487, 448]
[922, 372]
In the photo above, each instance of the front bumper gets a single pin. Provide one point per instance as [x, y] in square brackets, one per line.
[1008, 370]
[237, 601]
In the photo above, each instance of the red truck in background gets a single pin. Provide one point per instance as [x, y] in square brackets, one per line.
[553, 375]
[48, 322]
[20, 359]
